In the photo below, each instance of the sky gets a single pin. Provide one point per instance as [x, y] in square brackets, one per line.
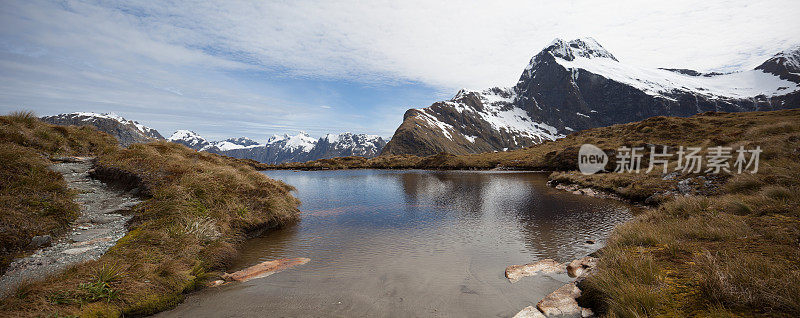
[256, 68]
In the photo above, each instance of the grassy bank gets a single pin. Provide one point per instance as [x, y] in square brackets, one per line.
[733, 250]
[199, 207]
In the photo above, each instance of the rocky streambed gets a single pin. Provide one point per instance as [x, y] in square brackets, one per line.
[103, 219]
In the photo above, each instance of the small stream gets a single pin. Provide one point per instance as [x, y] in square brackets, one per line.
[412, 243]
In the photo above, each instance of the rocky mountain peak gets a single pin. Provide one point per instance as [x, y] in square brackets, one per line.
[562, 50]
[785, 64]
[583, 47]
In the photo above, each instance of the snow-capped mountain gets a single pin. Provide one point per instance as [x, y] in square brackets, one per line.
[189, 139]
[578, 84]
[126, 131]
[286, 148]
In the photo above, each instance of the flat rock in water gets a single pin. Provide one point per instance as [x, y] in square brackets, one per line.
[516, 272]
[264, 269]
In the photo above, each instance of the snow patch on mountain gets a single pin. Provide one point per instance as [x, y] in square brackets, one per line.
[432, 122]
[498, 111]
[588, 55]
[232, 143]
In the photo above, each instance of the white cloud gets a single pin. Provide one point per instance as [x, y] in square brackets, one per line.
[461, 43]
[168, 61]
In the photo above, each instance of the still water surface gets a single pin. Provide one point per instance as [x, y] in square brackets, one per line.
[412, 243]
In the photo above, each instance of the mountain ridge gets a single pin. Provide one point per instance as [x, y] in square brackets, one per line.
[575, 85]
[286, 148]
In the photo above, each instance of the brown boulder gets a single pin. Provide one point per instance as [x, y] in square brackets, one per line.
[581, 266]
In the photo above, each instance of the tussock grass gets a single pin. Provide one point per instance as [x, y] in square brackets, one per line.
[749, 280]
[732, 252]
[199, 207]
[632, 283]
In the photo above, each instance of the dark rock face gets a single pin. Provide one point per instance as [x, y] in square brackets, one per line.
[576, 85]
[126, 131]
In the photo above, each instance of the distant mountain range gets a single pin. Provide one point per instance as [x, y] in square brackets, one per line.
[277, 149]
[286, 148]
[575, 85]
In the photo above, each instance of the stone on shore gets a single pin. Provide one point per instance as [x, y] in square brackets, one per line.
[561, 302]
[41, 240]
[581, 266]
[516, 272]
[264, 269]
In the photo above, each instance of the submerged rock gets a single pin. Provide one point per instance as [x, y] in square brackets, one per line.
[581, 266]
[264, 269]
[516, 272]
[561, 302]
[529, 312]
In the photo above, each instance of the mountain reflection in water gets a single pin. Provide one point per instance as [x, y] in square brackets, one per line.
[413, 243]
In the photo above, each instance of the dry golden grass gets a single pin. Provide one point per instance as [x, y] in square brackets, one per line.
[199, 207]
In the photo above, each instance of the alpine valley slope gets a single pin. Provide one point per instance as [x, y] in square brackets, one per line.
[126, 131]
[576, 85]
[280, 149]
